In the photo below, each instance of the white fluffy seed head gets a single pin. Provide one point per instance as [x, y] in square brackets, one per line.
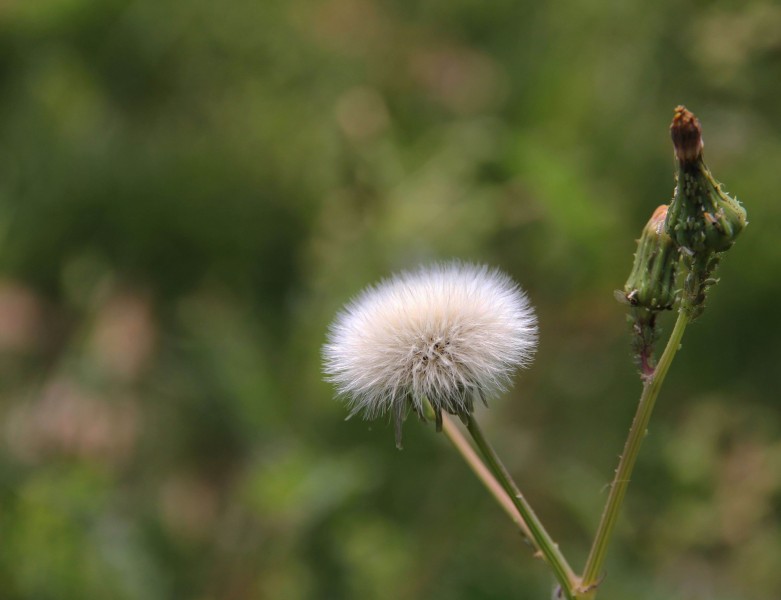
[450, 332]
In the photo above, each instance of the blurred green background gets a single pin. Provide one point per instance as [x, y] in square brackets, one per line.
[189, 191]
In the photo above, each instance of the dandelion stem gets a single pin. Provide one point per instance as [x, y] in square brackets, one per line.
[651, 388]
[539, 536]
[483, 474]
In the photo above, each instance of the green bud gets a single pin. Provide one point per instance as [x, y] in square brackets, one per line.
[701, 218]
[651, 283]
[650, 288]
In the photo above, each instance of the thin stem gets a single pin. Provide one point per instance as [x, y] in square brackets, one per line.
[651, 388]
[540, 537]
[483, 474]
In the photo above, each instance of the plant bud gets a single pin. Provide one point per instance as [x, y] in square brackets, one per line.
[701, 218]
[651, 283]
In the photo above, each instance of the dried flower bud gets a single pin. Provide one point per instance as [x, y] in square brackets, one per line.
[686, 133]
[701, 218]
[651, 283]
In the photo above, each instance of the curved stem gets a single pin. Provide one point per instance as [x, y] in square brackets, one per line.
[539, 536]
[483, 474]
[651, 388]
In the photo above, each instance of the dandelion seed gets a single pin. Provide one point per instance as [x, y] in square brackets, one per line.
[450, 333]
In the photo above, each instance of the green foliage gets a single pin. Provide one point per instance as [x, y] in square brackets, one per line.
[190, 190]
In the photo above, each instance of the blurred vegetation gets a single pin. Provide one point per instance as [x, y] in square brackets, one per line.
[190, 190]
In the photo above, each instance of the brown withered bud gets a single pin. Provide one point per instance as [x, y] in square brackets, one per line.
[702, 220]
[686, 133]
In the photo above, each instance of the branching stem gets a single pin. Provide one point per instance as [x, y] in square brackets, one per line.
[483, 474]
[566, 577]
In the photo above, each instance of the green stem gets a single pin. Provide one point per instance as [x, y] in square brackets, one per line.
[461, 444]
[651, 388]
[540, 537]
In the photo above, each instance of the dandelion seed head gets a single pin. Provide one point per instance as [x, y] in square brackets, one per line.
[449, 332]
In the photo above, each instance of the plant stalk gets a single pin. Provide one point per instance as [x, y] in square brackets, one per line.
[539, 536]
[483, 474]
[653, 384]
